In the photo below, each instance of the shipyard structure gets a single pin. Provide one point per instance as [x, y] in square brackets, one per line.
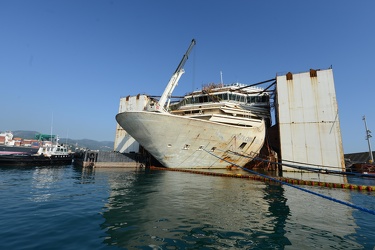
[307, 130]
[304, 129]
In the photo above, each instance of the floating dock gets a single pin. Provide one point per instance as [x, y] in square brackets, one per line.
[104, 159]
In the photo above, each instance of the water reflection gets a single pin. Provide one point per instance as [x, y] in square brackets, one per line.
[102, 208]
[328, 223]
[280, 211]
[85, 175]
[172, 209]
[318, 222]
[44, 180]
[364, 231]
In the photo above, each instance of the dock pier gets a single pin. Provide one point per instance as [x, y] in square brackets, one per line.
[113, 159]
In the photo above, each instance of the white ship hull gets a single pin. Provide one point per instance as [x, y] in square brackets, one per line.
[183, 142]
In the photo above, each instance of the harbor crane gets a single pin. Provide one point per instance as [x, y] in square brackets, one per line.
[368, 136]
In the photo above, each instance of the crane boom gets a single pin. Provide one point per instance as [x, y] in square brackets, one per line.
[185, 57]
[173, 82]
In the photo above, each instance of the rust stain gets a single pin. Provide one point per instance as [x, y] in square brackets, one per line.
[313, 73]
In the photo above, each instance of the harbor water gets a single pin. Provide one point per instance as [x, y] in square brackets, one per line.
[73, 208]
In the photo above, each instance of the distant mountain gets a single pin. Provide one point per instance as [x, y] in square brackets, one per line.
[83, 143]
[25, 134]
[89, 144]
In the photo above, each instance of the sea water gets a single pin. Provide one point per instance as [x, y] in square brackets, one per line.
[74, 208]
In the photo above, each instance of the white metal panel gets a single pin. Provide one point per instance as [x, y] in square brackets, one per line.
[133, 103]
[124, 143]
[308, 120]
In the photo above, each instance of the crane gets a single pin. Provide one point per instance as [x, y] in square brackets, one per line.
[173, 82]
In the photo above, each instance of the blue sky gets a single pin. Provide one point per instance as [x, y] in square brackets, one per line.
[66, 64]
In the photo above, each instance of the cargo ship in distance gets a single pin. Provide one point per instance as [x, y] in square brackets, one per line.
[9, 145]
[216, 127]
[48, 152]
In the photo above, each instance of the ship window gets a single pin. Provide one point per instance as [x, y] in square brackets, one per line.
[265, 98]
[203, 99]
[187, 146]
[243, 145]
[251, 99]
[222, 96]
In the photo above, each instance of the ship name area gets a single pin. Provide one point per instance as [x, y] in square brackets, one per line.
[242, 137]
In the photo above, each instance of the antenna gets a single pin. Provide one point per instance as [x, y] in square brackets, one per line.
[368, 136]
[66, 140]
[221, 77]
[51, 127]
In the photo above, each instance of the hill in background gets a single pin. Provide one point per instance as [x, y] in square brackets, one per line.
[83, 143]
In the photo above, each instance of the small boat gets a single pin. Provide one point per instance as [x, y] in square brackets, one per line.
[51, 147]
[9, 145]
[220, 126]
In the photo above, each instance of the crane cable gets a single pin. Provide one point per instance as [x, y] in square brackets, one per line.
[296, 187]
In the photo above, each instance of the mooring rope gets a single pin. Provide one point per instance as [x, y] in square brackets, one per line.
[296, 187]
